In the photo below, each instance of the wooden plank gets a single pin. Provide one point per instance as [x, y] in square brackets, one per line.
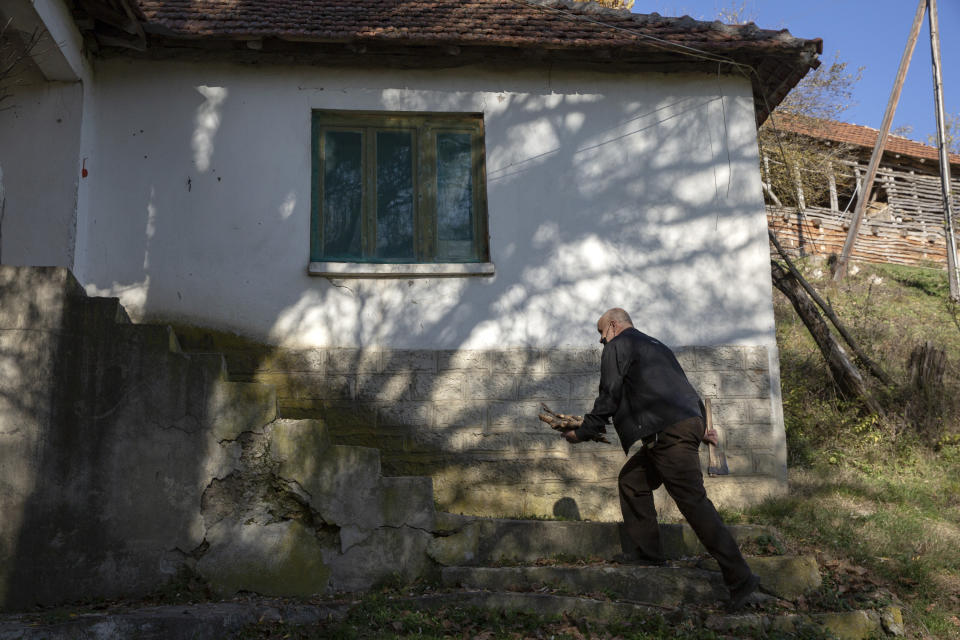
[821, 232]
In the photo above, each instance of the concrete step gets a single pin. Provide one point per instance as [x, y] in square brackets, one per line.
[517, 541]
[408, 501]
[845, 625]
[215, 620]
[786, 577]
[214, 365]
[651, 586]
[109, 309]
[343, 483]
[235, 407]
[150, 337]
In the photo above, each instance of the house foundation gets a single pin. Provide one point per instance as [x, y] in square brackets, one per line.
[468, 418]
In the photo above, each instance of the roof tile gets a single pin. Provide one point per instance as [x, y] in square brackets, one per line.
[855, 134]
[518, 22]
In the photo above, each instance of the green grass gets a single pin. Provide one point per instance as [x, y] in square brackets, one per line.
[880, 493]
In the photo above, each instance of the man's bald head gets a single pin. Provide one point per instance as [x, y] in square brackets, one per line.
[612, 323]
[619, 315]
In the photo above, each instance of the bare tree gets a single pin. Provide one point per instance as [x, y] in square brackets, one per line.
[802, 160]
[951, 125]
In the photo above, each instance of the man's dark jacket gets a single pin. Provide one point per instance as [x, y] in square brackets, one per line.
[642, 387]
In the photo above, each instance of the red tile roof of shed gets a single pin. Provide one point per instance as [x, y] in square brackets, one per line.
[857, 135]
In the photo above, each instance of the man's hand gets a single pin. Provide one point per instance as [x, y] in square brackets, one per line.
[571, 436]
[711, 436]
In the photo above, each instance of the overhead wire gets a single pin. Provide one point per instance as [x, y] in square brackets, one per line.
[664, 44]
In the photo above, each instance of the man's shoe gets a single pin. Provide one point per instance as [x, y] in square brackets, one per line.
[630, 558]
[740, 595]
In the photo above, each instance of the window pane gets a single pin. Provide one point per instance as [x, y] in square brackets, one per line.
[342, 193]
[454, 187]
[395, 195]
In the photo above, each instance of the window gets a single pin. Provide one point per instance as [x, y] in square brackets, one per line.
[398, 188]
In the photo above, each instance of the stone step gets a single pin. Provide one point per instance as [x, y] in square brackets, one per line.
[214, 365]
[845, 625]
[343, 483]
[235, 407]
[215, 620]
[408, 501]
[480, 541]
[651, 586]
[150, 337]
[107, 310]
[786, 577]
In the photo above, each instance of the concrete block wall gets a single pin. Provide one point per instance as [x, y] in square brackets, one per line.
[469, 419]
[124, 460]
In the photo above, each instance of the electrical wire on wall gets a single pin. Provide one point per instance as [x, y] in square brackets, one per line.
[748, 71]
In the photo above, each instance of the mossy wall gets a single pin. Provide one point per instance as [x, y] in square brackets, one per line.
[468, 418]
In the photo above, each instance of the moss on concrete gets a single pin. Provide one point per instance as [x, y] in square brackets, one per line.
[282, 559]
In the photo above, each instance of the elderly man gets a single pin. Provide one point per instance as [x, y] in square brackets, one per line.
[645, 391]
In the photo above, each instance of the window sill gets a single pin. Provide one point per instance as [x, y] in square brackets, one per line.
[422, 270]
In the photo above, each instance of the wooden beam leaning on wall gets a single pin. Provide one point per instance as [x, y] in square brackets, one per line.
[861, 355]
[846, 376]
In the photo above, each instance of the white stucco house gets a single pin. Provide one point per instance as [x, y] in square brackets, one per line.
[459, 186]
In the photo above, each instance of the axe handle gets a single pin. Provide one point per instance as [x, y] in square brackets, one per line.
[718, 461]
[709, 418]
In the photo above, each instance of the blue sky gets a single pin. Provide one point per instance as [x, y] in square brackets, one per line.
[865, 33]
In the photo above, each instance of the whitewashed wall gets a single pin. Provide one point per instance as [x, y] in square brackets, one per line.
[639, 191]
[39, 149]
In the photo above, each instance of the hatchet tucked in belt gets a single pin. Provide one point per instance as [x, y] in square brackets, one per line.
[718, 461]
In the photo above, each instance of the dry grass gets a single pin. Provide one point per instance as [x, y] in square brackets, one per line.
[881, 493]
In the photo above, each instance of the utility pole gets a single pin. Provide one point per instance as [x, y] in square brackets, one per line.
[841, 270]
[952, 273]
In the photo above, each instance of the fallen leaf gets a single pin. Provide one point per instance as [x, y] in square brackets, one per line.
[931, 607]
[955, 620]
[397, 625]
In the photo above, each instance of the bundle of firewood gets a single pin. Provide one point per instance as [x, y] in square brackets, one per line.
[565, 422]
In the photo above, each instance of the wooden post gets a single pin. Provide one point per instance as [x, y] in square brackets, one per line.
[767, 183]
[952, 274]
[832, 180]
[798, 181]
[845, 374]
[841, 271]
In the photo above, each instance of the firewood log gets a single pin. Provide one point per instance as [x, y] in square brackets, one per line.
[565, 422]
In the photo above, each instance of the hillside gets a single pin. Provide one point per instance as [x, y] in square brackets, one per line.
[878, 498]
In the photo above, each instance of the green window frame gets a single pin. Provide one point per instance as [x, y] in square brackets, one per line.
[396, 187]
